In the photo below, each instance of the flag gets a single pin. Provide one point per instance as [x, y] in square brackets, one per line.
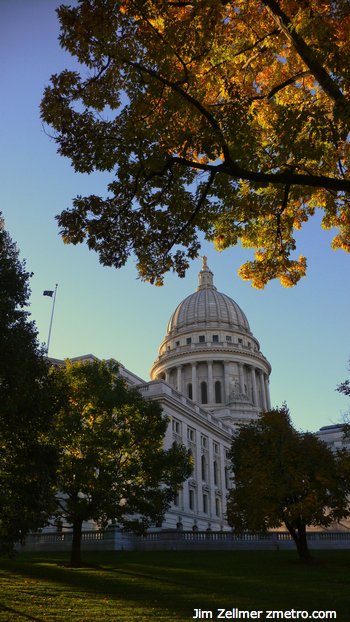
[48, 292]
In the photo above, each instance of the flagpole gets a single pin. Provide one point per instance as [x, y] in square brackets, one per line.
[52, 312]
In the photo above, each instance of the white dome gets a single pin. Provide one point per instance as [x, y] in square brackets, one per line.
[207, 307]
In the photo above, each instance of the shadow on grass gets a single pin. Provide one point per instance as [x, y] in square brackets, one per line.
[178, 582]
[26, 616]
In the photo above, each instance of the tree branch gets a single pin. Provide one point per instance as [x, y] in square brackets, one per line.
[307, 54]
[286, 177]
[229, 167]
[166, 43]
[247, 49]
[194, 213]
[194, 102]
[279, 235]
[281, 86]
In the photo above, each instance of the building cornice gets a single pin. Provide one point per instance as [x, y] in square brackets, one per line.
[239, 354]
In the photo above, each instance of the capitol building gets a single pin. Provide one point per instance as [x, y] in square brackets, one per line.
[210, 376]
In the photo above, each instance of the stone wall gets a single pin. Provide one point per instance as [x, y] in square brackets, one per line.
[176, 540]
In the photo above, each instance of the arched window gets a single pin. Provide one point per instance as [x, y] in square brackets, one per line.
[204, 393]
[189, 390]
[218, 392]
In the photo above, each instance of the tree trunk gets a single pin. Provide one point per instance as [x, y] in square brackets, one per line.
[75, 556]
[299, 536]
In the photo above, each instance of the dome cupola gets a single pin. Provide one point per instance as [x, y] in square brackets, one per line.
[207, 307]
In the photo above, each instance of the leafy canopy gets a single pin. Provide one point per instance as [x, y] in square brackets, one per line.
[284, 477]
[225, 118]
[27, 460]
[344, 387]
[112, 464]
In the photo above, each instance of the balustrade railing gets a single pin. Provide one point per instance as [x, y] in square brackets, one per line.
[177, 536]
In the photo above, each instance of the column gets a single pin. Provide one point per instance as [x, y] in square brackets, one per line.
[211, 479]
[241, 378]
[194, 382]
[167, 376]
[255, 393]
[263, 393]
[198, 475]
[267, 391]
[179, 378]
[210, 383]
[226, 382]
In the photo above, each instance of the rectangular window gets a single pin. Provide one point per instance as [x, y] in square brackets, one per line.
[215, 448]
[191, 499]
[216, 338]
[240, 340]
[201, 338]
[176, 425]
[191, 434]
[215, 472]
[228, 338]
[188, 340]
[190, 391]
[204, 468]
[177, 343]
[205, 503]
[204, 441]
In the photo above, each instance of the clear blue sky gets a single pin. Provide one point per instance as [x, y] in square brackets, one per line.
[304, 332]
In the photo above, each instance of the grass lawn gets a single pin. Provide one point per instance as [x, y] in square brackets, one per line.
[159, 586]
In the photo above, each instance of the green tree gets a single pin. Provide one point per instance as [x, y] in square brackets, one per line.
[112, 464]
[344, 387]
[27, 463]
[225, 118]
[285, 477]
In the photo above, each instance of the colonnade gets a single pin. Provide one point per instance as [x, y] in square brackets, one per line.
[258, 382]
